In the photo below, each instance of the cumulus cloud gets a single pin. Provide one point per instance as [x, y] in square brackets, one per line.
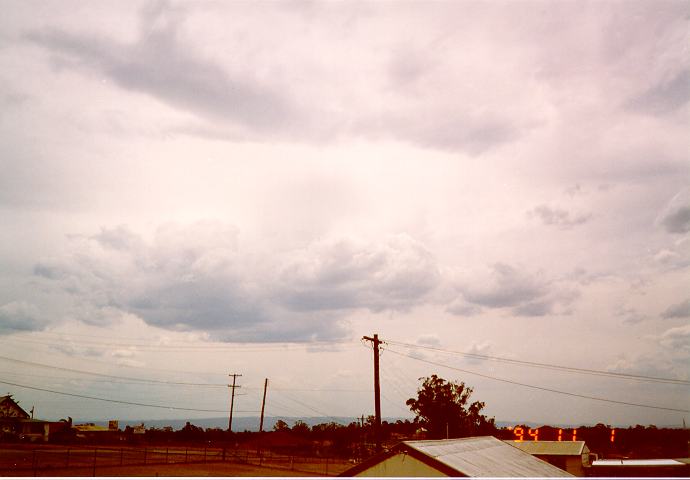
[194, 277]
[524, 293]
[680, 310]
[558, 217]
[21, 316]
[480, 349]
[396, 273]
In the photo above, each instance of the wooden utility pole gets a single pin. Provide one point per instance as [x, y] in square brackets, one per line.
[377, 391]
[232, 397]
[263, 405]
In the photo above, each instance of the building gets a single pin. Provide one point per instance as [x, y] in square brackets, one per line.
[17, 424]
[628, 467]
[461, 457]
[573, 457]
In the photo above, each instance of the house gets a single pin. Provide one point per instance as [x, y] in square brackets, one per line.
[460, 457]
[573, 457]
[17, 424]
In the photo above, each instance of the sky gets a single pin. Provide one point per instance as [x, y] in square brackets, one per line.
[194, 189]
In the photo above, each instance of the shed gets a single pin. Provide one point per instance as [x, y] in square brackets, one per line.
[460, 457]
[571, 456]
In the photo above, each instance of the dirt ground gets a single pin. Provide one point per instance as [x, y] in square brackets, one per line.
[174, 470]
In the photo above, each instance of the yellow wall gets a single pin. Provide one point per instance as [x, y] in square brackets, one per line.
[401, 465]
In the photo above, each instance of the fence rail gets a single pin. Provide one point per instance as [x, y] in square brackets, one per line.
[43, 460]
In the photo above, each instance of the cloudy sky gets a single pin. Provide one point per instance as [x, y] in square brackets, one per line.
[192, 189]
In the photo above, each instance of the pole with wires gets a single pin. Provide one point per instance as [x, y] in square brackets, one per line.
[377, 391]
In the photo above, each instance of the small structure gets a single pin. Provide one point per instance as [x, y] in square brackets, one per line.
[628, 467]
[460, 457]
[573, 457]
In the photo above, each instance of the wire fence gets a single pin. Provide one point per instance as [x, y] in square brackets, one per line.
[87, 460]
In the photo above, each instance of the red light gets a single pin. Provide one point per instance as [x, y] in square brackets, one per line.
[574, 434]
[534, 434]
[613, 435]
[560, 434]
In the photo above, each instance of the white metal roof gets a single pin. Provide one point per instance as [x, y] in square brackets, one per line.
[633, 462]
[548, 447]
[485, 457]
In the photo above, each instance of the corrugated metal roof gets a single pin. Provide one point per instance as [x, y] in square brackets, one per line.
[544, 447]
[486, 457]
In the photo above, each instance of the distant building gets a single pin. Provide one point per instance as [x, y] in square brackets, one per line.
[461, 457]
[573, 457]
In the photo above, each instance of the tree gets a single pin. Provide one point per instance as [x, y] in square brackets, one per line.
[281, 425]
[443, 408]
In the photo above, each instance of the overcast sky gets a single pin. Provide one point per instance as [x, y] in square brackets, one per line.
[187, 186]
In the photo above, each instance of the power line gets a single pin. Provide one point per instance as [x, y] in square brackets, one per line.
[545, 389]
[206, 347]
[161, 382]
[84, 372]
[585, 371]
[168, 407]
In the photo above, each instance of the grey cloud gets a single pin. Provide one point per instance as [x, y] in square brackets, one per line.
[395, 274]
[525, 294]
[463, 309]
[195, 278]
[507, 288]
[21, 316]
[680, 310]
[669, 95]
[534, 309]
[631, 316]
[678, 221]
[162, 66]
[558, 217]
[437, 128]
[676, 215]
[677, 339]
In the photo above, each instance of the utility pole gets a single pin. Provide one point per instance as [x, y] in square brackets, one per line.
[263, 405]
[377, 390]
[232, 397]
